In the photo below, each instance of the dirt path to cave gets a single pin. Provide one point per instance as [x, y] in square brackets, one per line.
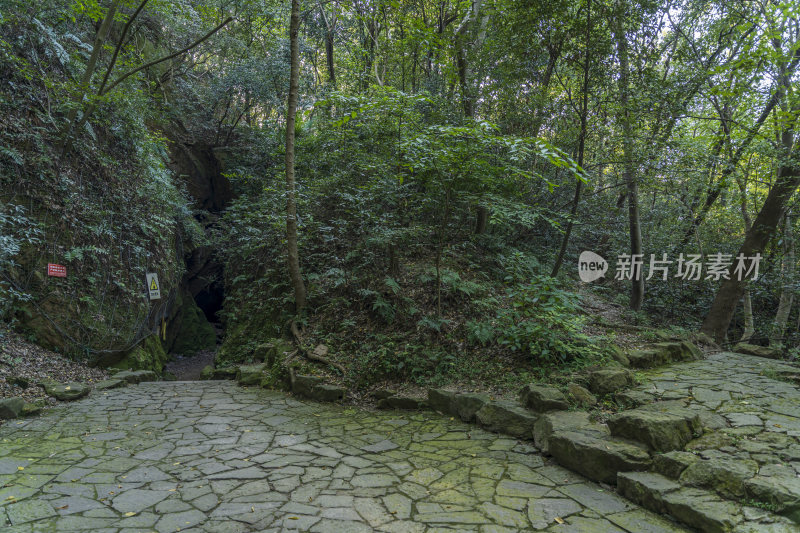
[189, 368]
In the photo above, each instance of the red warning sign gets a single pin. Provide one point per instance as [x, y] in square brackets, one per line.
[56, 271]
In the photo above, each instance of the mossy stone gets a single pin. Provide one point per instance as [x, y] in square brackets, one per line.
[194, 332]
[148, 355]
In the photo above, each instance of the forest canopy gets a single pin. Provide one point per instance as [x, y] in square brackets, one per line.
[432, 171]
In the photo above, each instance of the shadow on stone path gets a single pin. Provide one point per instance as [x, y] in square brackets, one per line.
[213, 457]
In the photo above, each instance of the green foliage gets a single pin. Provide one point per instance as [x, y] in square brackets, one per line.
[542, 321]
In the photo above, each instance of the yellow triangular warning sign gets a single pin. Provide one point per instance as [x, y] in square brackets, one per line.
[153, 285]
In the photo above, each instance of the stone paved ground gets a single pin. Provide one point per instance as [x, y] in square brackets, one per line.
[213, 457]
[750, 403]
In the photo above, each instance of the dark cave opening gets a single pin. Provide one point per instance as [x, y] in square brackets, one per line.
[210, 300]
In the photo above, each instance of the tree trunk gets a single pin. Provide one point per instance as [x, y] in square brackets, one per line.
[628, 170]
[86, 79]
[482, 220]
[581, 141]
[293, 257]
[787, 285]
[747, 304]
[719, 316]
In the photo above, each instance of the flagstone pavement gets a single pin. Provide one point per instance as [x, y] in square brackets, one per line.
[215, 457]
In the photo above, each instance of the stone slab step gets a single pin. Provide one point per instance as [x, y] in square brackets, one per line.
[659, 431]
[596, 456]
[697, 508]
[662, 353]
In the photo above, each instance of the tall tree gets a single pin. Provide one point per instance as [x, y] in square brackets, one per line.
[628, 164]
[293, 257]
[583, 115]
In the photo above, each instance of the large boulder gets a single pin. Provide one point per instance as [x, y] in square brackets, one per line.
[607, 380]
[442, 401]
[467, 404]
[507, 418]
[541, 398]
[662, 353]
[660, 431]
[11, 407]
[598, 458]
[758, 351]
[66, 392]
[147, 355]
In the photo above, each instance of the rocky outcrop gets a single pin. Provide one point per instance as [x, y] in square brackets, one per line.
[541, 398]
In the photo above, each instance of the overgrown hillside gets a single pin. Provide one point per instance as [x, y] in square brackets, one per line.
[438, 168]
[100, 201]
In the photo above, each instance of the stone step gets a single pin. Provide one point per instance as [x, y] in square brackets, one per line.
[508, 418]
[659, 431]
[697, 508]
[541, 398]
[662, 353]
[595, 455]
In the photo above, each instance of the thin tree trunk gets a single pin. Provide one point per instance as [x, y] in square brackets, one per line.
[330, 33]
[581, 141]
[747, 304]
[86, 79]
[787, 285]
[628, 170]
[719, 316]
[291, 204]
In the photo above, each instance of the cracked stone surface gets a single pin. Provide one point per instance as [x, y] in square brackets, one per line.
[214, 457]
[750, 407]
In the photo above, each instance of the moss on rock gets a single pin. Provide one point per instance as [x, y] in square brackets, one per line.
[148, 355]
[192, 331]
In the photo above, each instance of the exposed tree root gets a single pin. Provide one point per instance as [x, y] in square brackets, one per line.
[312, 355]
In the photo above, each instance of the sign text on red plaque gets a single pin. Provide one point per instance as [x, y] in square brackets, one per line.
[56, 271]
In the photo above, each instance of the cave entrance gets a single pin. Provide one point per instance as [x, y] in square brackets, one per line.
[195, 328]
